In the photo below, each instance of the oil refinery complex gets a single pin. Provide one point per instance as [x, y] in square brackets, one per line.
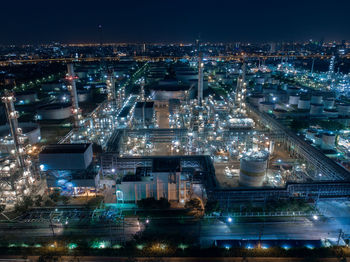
[166, 128]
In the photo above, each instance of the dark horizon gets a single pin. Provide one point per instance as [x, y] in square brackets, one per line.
[168, 21]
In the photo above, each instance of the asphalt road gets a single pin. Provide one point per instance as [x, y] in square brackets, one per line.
[206, 230]
[169, 259]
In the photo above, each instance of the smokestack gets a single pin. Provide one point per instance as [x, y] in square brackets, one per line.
[200, 79]
[12, 115]
[111, 87]
[73, 93]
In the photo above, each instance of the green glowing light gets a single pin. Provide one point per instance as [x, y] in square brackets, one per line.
[99, 244]
[72, 245]
[183, 246]
[140, 247]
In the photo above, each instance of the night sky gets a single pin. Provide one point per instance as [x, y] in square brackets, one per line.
[39, 21]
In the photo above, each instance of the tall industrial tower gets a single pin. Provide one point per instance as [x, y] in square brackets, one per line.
[22, 179]
[16, 132]
[71, 77]
[111, 97]
[142, 90]
[331, 66]
[200, 79]
[241, 89]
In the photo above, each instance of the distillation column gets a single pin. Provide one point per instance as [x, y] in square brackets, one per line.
[111, 97]
[200, 79]
[71, 77]
[16, 132]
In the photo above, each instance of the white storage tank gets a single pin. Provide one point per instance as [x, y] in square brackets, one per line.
[29, 130]
[331, 112]
[256, 99]
[328, 141]
[54, 111]
[292, 90]
[294, 99]
[26, 97]
[316, 109]
[267, 107]
[343, 109]
[318, 140]
[83, 95]
[304, 103]
[253, 167]
[260, 80]
[328, 103]
[310, 134]
[316, 99]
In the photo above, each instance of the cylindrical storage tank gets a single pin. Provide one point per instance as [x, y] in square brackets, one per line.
[279, 112]
[328, 141]
[304, 103]
[269, 90]
[54, 111]
[253, 167]
[83, 96]
[343, 109]
[260, 80]
[292, 90]
[26, 97]
[318, 140]
[328, 103]
[267, 107]
[256, 99]
[29, 130]
[316, 99]
[331, 112]
[310, 134]
[316, 109]
[293, 99]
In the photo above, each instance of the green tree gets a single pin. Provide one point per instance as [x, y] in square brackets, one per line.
[297, 124]
[38, 200]
[55, 195]
[195, 207]
[212, 206]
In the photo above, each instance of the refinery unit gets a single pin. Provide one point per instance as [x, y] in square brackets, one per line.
[161, 126]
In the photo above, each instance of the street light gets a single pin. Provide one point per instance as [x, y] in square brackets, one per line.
[315, 217]
[229, 219]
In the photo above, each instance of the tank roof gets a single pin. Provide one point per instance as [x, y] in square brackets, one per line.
[256, 156]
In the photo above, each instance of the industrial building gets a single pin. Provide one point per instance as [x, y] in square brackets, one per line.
[69, 167]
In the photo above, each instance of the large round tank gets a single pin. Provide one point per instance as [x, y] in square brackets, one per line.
[318, 140]
[26, 97]
[310, 133]
[279, 112]
[29, 130]
[304, 103]
[256, 99]
[328, 141]
[316, 99]
[292, 89]
[331, 112]
[266, 107]
[328, 103]
[293, 99]
[54, 111]
[316, 109]
[83, 96]
[253, 167]
[343, 109]
[260, 80]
